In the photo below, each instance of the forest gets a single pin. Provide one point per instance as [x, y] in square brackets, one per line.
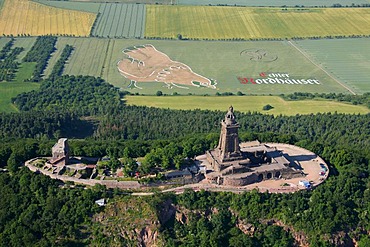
[38, 211]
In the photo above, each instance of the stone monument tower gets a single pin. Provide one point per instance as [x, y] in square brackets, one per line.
[228, 146]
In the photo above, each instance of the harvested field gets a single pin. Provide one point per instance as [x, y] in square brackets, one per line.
[117, 20]
[23, 17]
[220, 23]
[245, 104]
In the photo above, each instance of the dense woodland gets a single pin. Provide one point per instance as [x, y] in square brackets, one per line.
[91, 112]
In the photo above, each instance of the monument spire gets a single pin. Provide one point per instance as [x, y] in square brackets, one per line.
[228, 146]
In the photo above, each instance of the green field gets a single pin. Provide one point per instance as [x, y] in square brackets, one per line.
[11, 89]
[87, 58]
[347, 59]
[219, 23]
[117, 20]
[245, 104]
[81, 6]
[127, 1]
[277, 3]
[313, 3]
[222, 61]
[26, 43]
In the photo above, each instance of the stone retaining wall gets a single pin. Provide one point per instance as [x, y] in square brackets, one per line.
[90, 182]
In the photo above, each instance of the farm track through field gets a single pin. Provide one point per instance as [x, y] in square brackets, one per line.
[105, 59]
[117, 22]
[320, 67]
[107, 66]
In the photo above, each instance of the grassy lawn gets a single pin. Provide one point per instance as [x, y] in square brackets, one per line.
[245, 104]
[9, 90]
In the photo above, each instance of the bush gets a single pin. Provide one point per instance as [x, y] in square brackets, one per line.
[267, 107]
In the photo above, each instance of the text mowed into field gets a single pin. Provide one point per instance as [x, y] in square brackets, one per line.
[262, 67]
[245, 104]
[24, 17]
[117, 20]
[347, 59]
[216, 22]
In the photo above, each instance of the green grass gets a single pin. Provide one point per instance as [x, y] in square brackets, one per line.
[218, 23]
[11, 89]
[245, 104]
[347, 59]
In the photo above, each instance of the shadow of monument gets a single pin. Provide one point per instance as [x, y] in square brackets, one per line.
[295, 159]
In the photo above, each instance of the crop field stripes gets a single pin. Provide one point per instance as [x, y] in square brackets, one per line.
[344, 58]
[120, 20]
[320, 67]
[220, 23]
[23, 17]
[106, 66]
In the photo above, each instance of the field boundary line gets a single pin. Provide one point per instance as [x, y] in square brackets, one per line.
[105, 59]
[317, 65]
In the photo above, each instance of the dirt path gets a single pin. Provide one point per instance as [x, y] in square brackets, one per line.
[317, 65]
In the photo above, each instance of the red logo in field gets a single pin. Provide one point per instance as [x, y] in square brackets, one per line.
[263, 74]
[244, 80]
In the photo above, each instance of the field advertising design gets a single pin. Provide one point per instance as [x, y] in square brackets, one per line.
[263, 67]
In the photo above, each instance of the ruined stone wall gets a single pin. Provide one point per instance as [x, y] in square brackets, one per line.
[90, 182]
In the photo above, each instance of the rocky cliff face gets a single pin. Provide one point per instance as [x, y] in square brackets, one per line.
[131, 221]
